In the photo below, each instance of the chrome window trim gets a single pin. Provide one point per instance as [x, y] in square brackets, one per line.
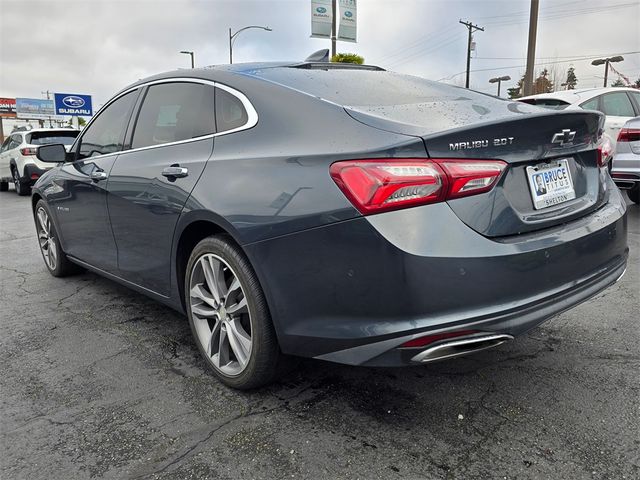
[252, 115]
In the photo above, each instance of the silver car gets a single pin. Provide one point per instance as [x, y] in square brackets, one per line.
[625, 169]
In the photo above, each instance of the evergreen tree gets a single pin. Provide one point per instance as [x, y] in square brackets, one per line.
[516, 92]
[618, 83]
[572, 80]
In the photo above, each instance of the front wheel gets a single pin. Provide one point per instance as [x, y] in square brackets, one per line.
[228, 315]
[54, 258]
[634, 194]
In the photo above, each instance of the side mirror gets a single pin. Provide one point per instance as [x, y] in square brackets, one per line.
[54, 153]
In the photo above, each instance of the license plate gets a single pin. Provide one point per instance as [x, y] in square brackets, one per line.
[550, 183]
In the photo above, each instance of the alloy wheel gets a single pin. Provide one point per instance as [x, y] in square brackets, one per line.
[221, 315]
[47, 239]
[16, 181]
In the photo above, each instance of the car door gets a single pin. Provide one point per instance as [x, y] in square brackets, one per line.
[171, 141]
[80, 205]
[618, 108]
[5, 172]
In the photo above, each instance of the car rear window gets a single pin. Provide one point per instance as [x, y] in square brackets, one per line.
[352, 87]
[547, 103]
[46, 138]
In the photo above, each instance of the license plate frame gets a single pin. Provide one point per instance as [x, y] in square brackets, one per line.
[550, 183]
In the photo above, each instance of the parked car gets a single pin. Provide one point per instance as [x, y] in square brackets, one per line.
[18, 161]
[335, 211]
[626, 161]
[619, 104]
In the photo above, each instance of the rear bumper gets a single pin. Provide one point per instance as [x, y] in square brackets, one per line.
[625, 170]
[353, 291]
[32, 173]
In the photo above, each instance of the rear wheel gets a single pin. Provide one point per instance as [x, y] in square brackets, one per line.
[228, 315]
[634, 193]
[22, 188]
[4, 186]
[54, 258]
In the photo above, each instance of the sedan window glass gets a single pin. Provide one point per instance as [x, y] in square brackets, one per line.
[106, 133]
[230, 113]
[617, 104]
[172, 112]
[591, 104]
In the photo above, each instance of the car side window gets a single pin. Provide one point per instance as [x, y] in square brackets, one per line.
[172, 112]
[16, 140]
[591, 104]
[230, 112]
[5, 144]
[106, 133]
[636, 97]
[617, 104]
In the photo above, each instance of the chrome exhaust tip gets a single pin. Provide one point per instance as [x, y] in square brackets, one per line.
[459, 347]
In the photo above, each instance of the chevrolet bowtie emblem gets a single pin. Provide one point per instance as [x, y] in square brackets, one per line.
[565, 136]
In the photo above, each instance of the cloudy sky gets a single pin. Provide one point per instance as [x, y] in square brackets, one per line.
[99, 46]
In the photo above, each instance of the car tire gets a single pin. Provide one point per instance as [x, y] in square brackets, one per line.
[634, 194]
[54, 257]
[22, 188]
[230, 320]
[4, 186]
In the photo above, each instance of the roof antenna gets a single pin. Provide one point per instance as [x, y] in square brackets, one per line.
[319, 56]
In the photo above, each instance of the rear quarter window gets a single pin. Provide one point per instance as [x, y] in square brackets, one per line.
[230, 112]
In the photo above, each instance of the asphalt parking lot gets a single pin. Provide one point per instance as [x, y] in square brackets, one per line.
[100, 382]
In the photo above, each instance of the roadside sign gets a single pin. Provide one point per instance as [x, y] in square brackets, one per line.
[73, 104]
[34, 108]
[8, 107]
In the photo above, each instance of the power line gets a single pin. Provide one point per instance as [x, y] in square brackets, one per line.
[523, 66]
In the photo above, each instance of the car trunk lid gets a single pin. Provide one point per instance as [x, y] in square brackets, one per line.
[558, 146]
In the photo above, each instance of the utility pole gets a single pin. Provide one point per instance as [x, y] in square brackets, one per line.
[531, 48]
[334, 32]
[472, 28]
[48, 94]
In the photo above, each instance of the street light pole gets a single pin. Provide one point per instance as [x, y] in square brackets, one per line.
[499, 80]
[233, 36]
[606, 62]
[186, 52]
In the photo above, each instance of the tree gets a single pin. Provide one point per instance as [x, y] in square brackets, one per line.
[542, 84]
[636, 84]
[618, 83]
[348, 58]
[571, 80]
[516, 92]
[81, 122]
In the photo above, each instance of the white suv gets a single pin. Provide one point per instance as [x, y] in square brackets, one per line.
[18, 162]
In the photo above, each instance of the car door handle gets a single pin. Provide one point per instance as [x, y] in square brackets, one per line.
[175, 171]
[98, 175]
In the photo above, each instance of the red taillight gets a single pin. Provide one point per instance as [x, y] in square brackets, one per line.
[389, 184]
[629, 135]
[28, 151]
[605, 150]
[469, 177]
[428, 339]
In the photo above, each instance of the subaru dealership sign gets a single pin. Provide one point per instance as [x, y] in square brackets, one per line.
[73, 104]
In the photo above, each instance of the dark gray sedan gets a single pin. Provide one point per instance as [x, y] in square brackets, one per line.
[338, 212]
